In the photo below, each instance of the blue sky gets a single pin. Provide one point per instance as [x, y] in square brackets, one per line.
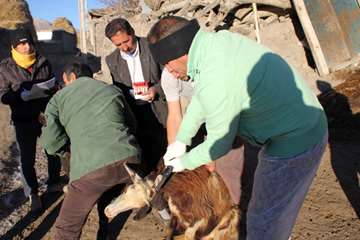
[52, 9]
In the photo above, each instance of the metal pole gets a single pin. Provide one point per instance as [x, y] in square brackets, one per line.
[81, 4]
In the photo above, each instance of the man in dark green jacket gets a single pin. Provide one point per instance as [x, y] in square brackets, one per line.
[95, 118]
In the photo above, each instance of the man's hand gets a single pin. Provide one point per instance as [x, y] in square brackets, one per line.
[52, 91]
[175, 163]
[210, 166]
[38, 90]
[42, 119]
[174, 150]
[27, 95]
[149, 95]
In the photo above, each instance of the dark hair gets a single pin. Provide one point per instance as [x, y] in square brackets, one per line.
[165, 27]
[79, 69]
[116, 25]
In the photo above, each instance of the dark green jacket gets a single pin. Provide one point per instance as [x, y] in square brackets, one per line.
[94, 117]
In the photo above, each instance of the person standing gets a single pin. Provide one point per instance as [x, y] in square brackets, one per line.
[26, 85]
[244, 89]
[99, 125]
[135, 72]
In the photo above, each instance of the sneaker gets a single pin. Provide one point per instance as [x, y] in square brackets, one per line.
[56, 187]
[35, 202]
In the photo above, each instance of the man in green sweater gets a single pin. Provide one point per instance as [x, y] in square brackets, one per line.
[244, 89]
[95, 118]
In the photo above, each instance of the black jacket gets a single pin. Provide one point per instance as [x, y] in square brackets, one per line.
[151, 71]
[13, 79]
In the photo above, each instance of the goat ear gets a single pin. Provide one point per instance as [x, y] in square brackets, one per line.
[133, 175]
[158, 179]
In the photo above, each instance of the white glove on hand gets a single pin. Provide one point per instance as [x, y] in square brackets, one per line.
[175, 163]
[174, 150]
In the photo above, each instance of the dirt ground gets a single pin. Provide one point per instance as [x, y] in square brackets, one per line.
[331, 210]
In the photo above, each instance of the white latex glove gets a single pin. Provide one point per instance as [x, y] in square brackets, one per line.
[175, 150]
[175, 163]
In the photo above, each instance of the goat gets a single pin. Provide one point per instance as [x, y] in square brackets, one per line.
[199, 202]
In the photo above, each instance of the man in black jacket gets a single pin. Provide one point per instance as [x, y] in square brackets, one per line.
[26, 83]
[134, 70]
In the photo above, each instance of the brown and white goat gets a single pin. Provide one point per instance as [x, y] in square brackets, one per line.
[199, 202]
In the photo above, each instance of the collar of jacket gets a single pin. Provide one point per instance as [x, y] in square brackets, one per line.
[139, 49]
[145, 57]
[39, 61]
[195, 54]
[136, 53]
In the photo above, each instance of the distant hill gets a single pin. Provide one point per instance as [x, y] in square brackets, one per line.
[42, 25]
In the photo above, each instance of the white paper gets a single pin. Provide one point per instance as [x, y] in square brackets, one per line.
[47, 85]
[38, 90]
[136, 96]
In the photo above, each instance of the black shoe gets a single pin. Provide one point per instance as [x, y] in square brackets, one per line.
[56, 187]
[35, 202]
[102, 234]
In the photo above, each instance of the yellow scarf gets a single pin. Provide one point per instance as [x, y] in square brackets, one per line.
[23, 60]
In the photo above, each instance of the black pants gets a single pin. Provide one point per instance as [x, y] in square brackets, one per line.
[26, 137]
[151, 136]
[105, 199]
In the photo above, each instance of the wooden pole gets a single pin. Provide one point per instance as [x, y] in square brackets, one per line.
[257, 29]
[311, 37]
[81, 5]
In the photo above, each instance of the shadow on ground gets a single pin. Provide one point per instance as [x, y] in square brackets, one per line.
[21, 227]
[344, 138]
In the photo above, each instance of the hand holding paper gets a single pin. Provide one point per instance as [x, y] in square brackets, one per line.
[38, 90]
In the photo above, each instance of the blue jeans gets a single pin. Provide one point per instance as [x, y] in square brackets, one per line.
[280, 187]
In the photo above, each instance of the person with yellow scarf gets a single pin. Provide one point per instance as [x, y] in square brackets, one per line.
[23, 56]
[26, 85]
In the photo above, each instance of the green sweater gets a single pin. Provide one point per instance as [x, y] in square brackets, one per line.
[94, 117]
[242, 88]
